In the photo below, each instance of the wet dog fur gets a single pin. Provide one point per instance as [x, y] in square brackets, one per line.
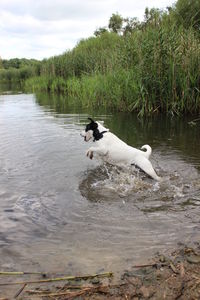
[113, 150]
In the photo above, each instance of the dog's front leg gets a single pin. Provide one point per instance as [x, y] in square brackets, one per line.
[89, 154]
[99, 150]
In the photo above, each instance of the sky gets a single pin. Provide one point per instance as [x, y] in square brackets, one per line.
[44, 28]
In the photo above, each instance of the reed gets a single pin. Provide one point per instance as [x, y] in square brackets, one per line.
[154, 68]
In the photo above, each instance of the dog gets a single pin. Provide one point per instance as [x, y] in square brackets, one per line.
[114, 151]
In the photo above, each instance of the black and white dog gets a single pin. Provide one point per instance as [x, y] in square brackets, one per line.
[113, 150]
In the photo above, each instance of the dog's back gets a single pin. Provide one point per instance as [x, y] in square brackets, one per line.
[114, 150]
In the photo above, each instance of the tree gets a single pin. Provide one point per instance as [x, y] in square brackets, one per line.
[100, 30]
[152, 16]
[131, 24]
[1, 64]
[115, 23]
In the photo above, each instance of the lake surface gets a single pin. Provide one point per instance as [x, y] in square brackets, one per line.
[61, 212]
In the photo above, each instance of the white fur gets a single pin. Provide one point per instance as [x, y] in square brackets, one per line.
[113, 150]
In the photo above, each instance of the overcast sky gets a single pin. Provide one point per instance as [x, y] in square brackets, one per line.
[43, 28]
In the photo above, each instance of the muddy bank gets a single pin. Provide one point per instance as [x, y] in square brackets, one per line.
[174, 277]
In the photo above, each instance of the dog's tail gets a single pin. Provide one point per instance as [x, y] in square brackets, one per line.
[148, 150]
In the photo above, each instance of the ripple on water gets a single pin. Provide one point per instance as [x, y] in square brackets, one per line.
[53, 215]
[40, 209]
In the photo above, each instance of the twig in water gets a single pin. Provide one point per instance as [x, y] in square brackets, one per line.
[144, 266]
[173, 268]
[67, 293]
[108, 274]
[21, 273]
[83, 290]
[20, 291]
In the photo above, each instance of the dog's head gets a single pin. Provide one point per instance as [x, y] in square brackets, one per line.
[94, 130]
[89, 130]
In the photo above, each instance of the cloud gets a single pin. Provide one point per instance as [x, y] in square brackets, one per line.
[57, 10]
[38, 29]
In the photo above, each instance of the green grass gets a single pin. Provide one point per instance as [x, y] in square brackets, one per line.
[153, 69]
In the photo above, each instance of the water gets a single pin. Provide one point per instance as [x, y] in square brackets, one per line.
[61, 212]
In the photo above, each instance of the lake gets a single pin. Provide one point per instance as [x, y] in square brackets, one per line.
[62, 212]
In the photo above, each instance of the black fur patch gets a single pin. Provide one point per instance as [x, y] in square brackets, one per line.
[94, 127]
[97, 135]
[91, 126]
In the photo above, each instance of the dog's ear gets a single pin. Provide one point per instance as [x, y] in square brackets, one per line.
[92, 121]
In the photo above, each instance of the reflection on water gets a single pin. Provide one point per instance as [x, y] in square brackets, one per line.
[62, 212]
[159, 131]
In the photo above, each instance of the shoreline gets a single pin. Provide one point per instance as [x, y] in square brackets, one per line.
[165, 277]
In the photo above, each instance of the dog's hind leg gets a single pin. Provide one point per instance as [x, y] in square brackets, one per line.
[146, 166]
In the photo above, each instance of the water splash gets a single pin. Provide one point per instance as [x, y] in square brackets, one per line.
[114, 181]
[111, 183]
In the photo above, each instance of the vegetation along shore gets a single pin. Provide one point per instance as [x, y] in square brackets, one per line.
[146, 66]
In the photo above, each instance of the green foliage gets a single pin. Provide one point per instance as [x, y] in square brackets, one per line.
[100, 30]
[116, 90]
[152, 16]
[152, 67]
[18, 70]
[187, 13]
[18, 63]
[115, 23]
[1, 64]
[92, 55]
[130, 25]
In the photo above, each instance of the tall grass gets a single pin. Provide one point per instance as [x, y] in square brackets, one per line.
[13, 75]
[94, 55]
[150, 71]
[46, 83]
[155, 68]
